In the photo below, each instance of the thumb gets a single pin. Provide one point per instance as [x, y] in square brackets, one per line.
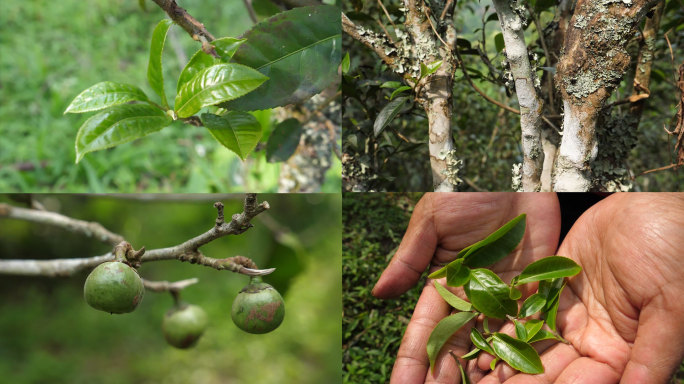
[658, 349]
[414, 254]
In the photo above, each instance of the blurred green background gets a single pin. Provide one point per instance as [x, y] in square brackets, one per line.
[48, 334]
[51, 51]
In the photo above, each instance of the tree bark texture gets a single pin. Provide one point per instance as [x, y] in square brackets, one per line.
[528, 99]
[592, 65]
[424, 46]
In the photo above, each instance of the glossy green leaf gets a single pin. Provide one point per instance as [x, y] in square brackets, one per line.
[542, 334]
[452, 299]
[514, 293]
[429, 69]
[550, 314]
[225, 47]
[492, 365]
[438, 274]
[345, 63]
[472, 354]
[443, 331]
[104, 95]
[299, 50]
[497, 245]
[238, 131]
[532, 327]
[216, 84]
[532, 305]
[284, 140]
[517, 353]
[154, 68]
[480, 342]
[520, 330]
[442, 271]
[499, 42]
[489, 294]
[550, 290]
[399, 90]
[118, 125]
[548, 268]
[457, 274]
[387, 114]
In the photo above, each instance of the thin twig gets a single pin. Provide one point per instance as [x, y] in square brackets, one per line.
[186, 251]
[167, 286]
[192, 26]
[250, 11]
[387, 14]
[86, 228]
[470, 81]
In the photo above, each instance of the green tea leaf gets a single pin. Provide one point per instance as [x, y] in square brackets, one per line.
[154, 68]
[118, 125]
[238, 131]
[492, 365]
[542, 334]
[550, 314]
[497, 245]
[214, 85]
[443, 331]
[520, 330]
[472, 354]
[489, 294]
[345, 63]
[388, 113]
[517, 353]
[438, 274]
[299, 50]
[399, 90]
[225, 47]
[533, 327]
[514, 293]
[480, 342]
[464, 377]
[429, 69]
[104, 95]
[391, 84]
[548, 268]
[452, 299]
[550, 290]
[499, 42]
[532, 305]
[284, 140]
[457, 274]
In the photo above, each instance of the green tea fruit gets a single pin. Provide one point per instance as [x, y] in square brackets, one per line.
[113, 287]
[184, 325]
[258, 308]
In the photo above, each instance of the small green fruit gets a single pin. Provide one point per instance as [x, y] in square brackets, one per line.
[258, 308]
[113, 287]
[184, 325]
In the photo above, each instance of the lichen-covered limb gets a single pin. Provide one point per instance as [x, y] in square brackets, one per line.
[435, 96]
[592, 65]
[380, 44]
[186, 251]
[86, 228]
[529, 100]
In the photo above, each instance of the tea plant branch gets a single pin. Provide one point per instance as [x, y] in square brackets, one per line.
[186, 251]
[166, 286]
[528, 99]
[40, 216]
[376, 42]
[192, 26]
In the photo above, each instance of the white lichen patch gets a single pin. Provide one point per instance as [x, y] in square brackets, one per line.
[453, 166]
[516, 180]
[582, 85]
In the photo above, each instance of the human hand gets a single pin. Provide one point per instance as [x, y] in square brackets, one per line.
[622, 315]
[441, 225]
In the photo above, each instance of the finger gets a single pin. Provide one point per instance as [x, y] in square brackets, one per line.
[657, 350]
[414, 254]
[412, 362]
[555, 360]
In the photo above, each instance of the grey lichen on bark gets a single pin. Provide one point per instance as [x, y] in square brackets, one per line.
[593, 63]
[512, 25]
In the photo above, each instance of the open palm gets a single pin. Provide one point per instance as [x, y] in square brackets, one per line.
[441, 225]
[622, 315]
